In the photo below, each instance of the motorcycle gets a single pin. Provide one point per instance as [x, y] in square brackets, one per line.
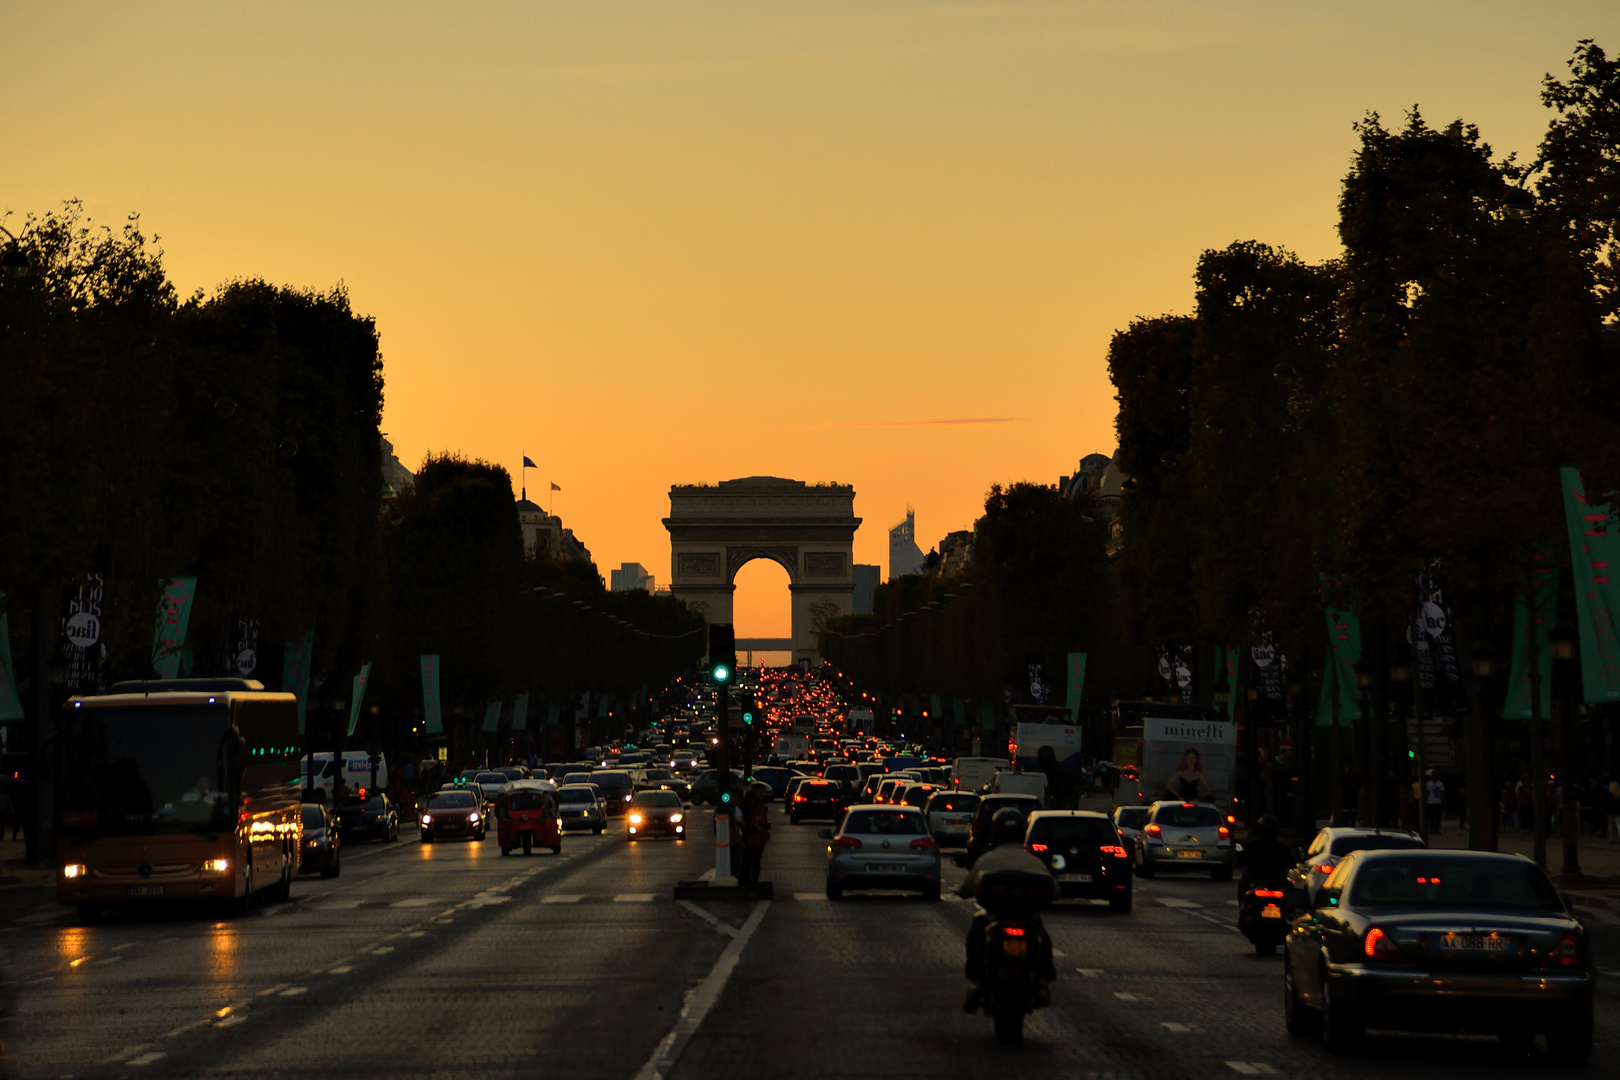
[1016, 971]
[1264, 916]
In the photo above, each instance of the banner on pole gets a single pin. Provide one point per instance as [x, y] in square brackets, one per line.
[432, 717]
[1538, 605]
[1077, 684]
[553, 714]
[520, 713]
[1594, 550]
[82, 643]
[492, 716]
[173, 613]
[358, 694]
[959, 708]
[296, 656]
[10, 701]
[1339, 668]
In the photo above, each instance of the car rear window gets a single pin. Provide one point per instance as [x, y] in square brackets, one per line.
[1132, 817]
[957, 804]
[1075, 831]
[451, 800]
[1024, 804]
[609, 781]
[843, 772]
[917, 796]
[1188, 817]
[492, 778]
[1344, 845]
[1435, 881]
[312, 817]
[658, 798]
[576, 795]
[577, 778]
[883, 823]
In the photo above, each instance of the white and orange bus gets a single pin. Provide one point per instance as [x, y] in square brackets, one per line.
[185, 789]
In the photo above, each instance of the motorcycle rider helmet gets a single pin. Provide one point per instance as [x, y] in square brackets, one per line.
[1007, 827]
[1269, 827]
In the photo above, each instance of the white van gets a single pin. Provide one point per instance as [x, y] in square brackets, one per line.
[1008, 782]
[975, 773]
[357, 771]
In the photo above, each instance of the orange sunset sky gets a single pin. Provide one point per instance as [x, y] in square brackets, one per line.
[879, 243]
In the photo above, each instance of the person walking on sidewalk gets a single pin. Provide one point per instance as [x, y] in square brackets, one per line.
[1434, 801]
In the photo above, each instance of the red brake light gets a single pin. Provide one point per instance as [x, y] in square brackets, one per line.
[1379, 946]
[1112, 849]
[1324, 868]
[923, 843]
[846, 842]
[1275, 894]
[1013, 931]
[1567, 953]
[799, 798]
[1153, 829]
[1188, 805]
[1225, 832]
[1035, 849]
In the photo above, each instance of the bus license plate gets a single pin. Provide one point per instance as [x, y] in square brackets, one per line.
[1076, 879]
[1475, 943]
[144, 890]
[1189, 853]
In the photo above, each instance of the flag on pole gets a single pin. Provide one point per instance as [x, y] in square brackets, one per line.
[528, 462]
[555, 487]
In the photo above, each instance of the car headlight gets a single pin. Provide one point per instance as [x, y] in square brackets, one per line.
[74, 870]
[627, 798]
[217, 866]
[635, 819]
[427, 819]
[472, 818]
[673, 818]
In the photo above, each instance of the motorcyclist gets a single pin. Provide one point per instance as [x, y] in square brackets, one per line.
[1007, 854]
[1266, 860]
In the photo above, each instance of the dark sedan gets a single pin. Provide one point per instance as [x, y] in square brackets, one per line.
[656, 813]
[813, 798]
[453, 813]
[369, 814]
[1440, 941]
[1334, 843]
[1085, 853]
[322, 844]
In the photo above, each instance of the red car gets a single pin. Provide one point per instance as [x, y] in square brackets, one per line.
[452, 813]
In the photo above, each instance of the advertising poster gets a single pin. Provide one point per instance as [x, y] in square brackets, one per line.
[1191, 760]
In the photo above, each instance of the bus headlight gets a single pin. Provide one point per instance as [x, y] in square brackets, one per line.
[74, 870]
[217, 866]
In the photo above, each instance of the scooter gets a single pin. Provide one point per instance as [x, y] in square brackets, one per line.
[1264, 916]
[1017, 974]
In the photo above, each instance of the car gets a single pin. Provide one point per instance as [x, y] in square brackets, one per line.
[774, 776]
[495, 784]
[579, 807]
[1473, 942]
[882, 847]
[1085, 853]
[658, 778]
[816, 798]
[457, 812]
[576, 776]
[1008, 782]
[1333, 843]
[915, 794]
[368, 813]
[980, 838]
[792, 786]
[514, 773]
[703, 788]
[950, 815]
[1185, 836]
[975, 773]
[1129, 821]
[891, 783]
[847, 774]
[867, 793]
[472, 786]
[323, 841]
[655, 813]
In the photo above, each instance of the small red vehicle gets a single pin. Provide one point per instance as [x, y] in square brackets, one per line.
[526, 817]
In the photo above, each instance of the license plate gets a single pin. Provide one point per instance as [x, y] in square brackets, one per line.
[1189, 853]
[1014, 948]
[1473, 943]
[1078, 879]
[144, 890]
[885, 868]
[1271, 911]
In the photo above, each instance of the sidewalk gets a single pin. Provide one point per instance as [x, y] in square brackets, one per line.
[1599, 882]
[15, 874]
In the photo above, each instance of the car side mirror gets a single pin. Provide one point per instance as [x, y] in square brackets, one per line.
[825, 834]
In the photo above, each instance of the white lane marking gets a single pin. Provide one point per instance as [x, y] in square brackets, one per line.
[384, 951]
[488, 901]
[294, 991]
[701, 1000]
[109, 959]
[271, 989]
[1171, 1025]
[44, 916]
[1250, 1068]
[723, 927]
[417, 933]
[562, 898]
[708, 875]
[146, 1059]
[633, 898]
[344, 970]
[1610, 974]
[124, 1054]
[230, 1021]
[1178, 902]
[415, 901]
[337, 905]
[183, 1028]
[1059, 954]
[809, 896]
[1090, 973]
[1126, 995]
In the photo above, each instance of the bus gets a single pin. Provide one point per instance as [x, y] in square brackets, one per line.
[181, 789]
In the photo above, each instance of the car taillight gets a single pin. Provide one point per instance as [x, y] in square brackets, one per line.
[1112, 849]
[1275, 894]
[923, 843]
[1153, 830]
[1035, 849]
[1013, 931]
[1324, 868]
[846, 842]
[1225, 832]
[1380, 946]
[800, 798]
[1567, 953]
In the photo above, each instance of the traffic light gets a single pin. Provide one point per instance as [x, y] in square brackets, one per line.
[747, 710]
[722, 653]
[725, 797]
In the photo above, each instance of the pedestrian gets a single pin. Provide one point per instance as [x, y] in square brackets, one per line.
[1611, 809]
[1434, 801]
[1509, 804]
[756, 834]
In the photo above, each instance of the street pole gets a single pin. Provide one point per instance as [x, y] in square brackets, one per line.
[1538, 770]
[1563, 641]
[722, 790]
[1335, 752]
[47, 633]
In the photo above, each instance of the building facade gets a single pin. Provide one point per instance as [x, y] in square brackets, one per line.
[905, 557]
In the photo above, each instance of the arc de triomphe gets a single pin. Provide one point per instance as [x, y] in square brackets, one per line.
[810, 530]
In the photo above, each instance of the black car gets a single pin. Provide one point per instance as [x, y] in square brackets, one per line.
[813, 798]
[655, 813]
[617, 789]
[322, 848]
[980, 838]
[1332, 844]
[704, 786]
[776, 777]
[368, 814]
[1084, 852]
[1440, 941]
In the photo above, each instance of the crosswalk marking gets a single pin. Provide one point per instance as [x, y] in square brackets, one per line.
[1171, 1025]
[1178, 902]
[633, 898]
[1250, 1068]
[416, 901]
[562, 898]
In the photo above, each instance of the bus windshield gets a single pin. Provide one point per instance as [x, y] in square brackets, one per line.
[145, 770]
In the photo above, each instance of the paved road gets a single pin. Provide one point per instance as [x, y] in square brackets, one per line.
[449, 960]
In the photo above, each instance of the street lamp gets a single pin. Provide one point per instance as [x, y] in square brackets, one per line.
[1482, 660]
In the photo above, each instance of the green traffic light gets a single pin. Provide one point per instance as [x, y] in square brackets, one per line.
[725, 796]
[748, 718]
[721, 673]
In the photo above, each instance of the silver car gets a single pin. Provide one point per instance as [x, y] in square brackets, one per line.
[579, 806]
[1185, 836]
[950, 816]
[882, 847]
[1129, 821]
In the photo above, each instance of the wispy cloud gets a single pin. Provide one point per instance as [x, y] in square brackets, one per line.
[947, 421]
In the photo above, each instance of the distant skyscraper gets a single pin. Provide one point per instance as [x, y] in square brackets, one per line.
[867, 578]
[905, 557]
[631, 576]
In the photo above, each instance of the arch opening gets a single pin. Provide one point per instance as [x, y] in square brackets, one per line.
[762, 607]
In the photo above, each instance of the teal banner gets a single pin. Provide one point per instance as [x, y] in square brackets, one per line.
[1594, 555]
[492, 716]
[959, 708]
[936, 708]
[602, 703]
[1540, 605]
[987, 715]
[296, 656]
[10, 703]
[553, 714]
[432, 718]
[1339, 669]
[520, 713]
[358, 694]
[173, 613]
[1077, 685]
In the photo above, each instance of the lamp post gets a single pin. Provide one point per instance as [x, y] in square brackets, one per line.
[1481, 820]
[1562, 636]
[1366, 765]
[1400, 673]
